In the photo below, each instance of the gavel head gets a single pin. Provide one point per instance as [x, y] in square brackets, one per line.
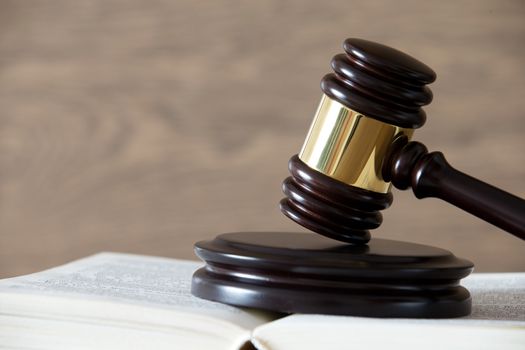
[371, 101]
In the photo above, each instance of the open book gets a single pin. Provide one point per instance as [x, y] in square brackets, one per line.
[121, 301]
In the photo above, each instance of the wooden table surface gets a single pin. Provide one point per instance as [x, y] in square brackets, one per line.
[144, 126]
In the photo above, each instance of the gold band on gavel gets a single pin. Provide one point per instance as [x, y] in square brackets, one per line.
[348, 146]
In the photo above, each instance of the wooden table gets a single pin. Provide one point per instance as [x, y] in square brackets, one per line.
[143, 126]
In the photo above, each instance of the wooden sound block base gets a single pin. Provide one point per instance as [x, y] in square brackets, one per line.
[307, 273]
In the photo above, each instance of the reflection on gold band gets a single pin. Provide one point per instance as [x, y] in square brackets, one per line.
[349, 146]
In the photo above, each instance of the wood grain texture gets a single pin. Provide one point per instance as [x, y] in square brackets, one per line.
[143, 126]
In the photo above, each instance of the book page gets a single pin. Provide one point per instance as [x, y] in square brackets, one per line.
[131, 279]
[497, 321]
[497, 296]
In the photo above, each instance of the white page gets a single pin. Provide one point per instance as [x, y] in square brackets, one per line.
[497, 296]
[128, 279]
[497, 321]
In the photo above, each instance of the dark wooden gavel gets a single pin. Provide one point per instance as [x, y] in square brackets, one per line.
[359, 144]
[358, 147]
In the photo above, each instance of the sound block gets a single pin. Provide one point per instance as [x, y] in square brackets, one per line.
[305, 273]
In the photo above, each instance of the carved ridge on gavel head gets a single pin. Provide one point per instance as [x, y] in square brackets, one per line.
[359, 144]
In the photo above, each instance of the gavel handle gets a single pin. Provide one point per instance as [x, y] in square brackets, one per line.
[430, 175]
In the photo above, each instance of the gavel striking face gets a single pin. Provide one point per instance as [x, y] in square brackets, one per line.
[358, 145]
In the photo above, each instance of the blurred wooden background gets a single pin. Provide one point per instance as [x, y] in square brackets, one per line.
[143, 126]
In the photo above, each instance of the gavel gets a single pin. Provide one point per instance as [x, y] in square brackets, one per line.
[359, 144]
[357, 147]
